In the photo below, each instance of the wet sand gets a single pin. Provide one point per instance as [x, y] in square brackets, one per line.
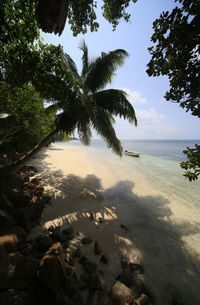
[140, 222]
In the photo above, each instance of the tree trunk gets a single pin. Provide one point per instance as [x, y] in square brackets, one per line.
[20, 162]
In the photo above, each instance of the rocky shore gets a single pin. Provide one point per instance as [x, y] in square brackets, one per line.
[44, 270]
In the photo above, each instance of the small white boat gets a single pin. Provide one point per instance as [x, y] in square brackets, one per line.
[131, 153]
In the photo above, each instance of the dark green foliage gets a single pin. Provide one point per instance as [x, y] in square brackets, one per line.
[192, 166]
[27, 122]
[176, 54]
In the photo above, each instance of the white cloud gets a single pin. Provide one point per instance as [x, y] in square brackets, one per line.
[151, 125]
[134, 97]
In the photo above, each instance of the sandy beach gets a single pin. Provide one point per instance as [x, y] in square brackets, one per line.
[128, 215]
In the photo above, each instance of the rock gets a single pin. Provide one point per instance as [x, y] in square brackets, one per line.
[71, 286]
[100, 220]
[86, 240]
[12, 296]
[5, 204]
[91, 216]
[120, 294]
[90, 266]
[124, 227]
[136, 268]
[9, 242]
[51, 229]
[97, 249]
[68, 231]
[124, 264]
[83, 281]
[104, 259]
[77, 252]
[79, 299]
[19, 200]
[46, 199]
[5, 219]
[38, 294]
[126, 277]
[52, 268]
[55, 231]
[17, 271]
[35, 181]
[143, 300]
[102, 297]
[93, 282]
[68, 270]
[44, 242]
[26, 249]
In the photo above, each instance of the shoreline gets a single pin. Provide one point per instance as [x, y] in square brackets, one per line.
[80, 183]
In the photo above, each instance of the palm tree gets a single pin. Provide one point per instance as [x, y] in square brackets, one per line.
[87, 105]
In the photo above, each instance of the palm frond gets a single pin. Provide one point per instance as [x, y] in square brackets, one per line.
[102, 124]
[101, 70]
[54, 107]
[84, 48]
[115, 102]
[84, 133]
[70, 64]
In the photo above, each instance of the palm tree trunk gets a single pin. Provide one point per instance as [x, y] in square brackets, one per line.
[20, 162]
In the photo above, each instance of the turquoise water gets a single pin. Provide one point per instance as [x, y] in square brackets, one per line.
[159, 162]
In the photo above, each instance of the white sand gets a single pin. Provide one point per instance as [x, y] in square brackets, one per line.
[80, 182]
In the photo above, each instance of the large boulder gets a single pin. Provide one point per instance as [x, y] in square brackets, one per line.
[19, 200]
[121, 294]
[17, 271]
[5, 219]
[5, 204]
[9, 242]
[52, 268]
[12, 296]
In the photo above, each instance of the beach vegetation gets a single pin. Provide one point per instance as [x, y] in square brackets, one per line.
[176, 54]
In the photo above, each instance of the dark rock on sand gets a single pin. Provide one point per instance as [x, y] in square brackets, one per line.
[126, 277]
[94, 282]
[44, 242]
[97, 249]
[52, 268]
[77, 252]
[104, 259]
[136, 268]
[19, 200]
[12, 296]
[5, 204]
[35, 181]
[86, 240]
[89, 265]
[17, 271]
[5, 219]
[124, 264]
[68, 231]
[71, 286]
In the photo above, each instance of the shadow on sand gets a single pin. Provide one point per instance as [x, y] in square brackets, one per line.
[172, 272]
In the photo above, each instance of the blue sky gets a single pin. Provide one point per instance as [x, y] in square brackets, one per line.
[157, 118]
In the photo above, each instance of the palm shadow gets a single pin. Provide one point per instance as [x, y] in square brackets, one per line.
[152, 238]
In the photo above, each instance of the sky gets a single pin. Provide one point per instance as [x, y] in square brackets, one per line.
[157, 118]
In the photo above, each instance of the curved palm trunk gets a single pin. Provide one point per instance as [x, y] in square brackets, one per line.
[20, 162]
